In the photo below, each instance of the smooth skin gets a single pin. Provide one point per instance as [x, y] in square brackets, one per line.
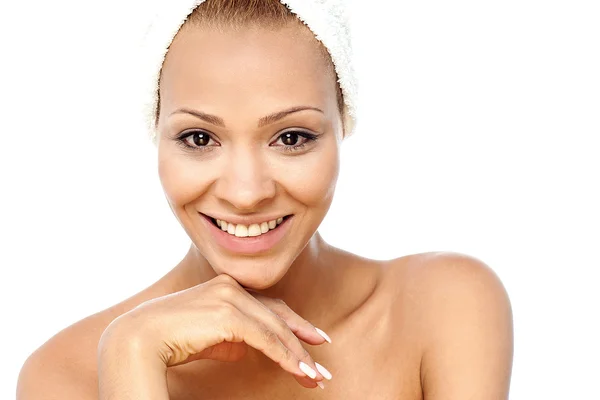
[435, 326]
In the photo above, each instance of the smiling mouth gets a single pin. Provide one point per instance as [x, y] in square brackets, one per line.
[252, 230]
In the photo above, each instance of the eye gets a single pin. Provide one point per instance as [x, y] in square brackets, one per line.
[295, 140]
[195, 140]
[290, 138]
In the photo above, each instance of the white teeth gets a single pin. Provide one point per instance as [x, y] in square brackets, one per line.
[231, 229]
[254, 230]
[264, 227]
[241, 230]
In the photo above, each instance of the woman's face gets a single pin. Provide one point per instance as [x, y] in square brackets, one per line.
[234, 107]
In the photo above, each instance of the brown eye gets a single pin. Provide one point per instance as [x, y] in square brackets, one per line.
[200, 139]
[295, 140]
[290, 138]
[196, 140]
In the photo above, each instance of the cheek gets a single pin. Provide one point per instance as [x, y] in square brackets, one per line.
[313, 181]
[181, 178]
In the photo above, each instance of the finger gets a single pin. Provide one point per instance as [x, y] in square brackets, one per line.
[301, 327]
[270, 323]
[264, 339]
[259, 311]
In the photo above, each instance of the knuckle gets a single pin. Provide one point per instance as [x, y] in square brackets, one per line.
[287, 355]
[280, 302]
[229, 333]
[270, 337]
[305, 355]
[280, 307]
[226, 290]
[283, 330]
[226, 310]
[282, 326]
[224, 278]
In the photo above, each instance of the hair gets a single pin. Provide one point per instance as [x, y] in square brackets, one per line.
[270, 14]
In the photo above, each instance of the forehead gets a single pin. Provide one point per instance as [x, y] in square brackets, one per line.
[225, 67]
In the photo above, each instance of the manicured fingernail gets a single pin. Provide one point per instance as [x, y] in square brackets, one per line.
[323, 334]
[323, 371]
[321, 385]
[312, 374]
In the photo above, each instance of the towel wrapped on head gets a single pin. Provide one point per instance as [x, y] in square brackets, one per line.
[327, 19]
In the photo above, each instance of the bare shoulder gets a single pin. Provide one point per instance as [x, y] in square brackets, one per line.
[65, 366]
[444, 273]
[462, 314]
[443, 281]
[432, 290]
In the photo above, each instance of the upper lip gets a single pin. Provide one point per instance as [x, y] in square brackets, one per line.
[247, 220]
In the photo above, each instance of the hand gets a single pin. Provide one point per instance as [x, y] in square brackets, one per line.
[215, 320]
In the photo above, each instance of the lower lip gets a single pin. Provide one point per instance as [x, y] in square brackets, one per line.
[250, 244]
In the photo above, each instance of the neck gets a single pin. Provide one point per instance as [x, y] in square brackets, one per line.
[308, 287]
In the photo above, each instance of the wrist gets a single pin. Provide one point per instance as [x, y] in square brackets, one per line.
[128, 367]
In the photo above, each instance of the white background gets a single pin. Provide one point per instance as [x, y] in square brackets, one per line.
[477, 133]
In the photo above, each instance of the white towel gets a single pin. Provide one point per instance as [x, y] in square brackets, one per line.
[327, 19]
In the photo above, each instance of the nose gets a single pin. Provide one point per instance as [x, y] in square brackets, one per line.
[246, 181]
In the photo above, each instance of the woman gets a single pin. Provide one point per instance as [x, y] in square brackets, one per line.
[249, 121]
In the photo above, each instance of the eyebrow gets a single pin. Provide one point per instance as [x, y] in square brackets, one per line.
[269, 119]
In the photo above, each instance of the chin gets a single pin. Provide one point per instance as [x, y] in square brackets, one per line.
[253, 273]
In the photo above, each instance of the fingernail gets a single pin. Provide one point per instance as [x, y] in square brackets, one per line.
[323, 371]
[312, 374]
[323, 334]
[321, 385]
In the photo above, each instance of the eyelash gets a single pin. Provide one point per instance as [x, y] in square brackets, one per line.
[181, 140]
